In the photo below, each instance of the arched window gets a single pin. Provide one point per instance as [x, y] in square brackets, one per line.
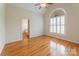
[57, 22]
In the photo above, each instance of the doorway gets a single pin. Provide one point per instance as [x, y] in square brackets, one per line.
[25, 29]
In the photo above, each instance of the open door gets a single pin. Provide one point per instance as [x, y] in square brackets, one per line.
[25, 29]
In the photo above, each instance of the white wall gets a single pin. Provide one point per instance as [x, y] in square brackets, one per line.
[2, 27]
[72, 21]
[14, 16]
[36, 28]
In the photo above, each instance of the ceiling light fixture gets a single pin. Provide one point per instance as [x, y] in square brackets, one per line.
[43, 5]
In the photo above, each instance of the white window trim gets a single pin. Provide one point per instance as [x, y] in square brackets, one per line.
[56, 27]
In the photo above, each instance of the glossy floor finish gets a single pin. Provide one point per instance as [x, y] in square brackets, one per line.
[41, 46]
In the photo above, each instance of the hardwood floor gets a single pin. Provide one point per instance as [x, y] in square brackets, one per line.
[41, 46]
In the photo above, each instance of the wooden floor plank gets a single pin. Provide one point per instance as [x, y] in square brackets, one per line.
[41, 46]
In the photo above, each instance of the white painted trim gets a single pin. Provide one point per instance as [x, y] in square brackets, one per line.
[2, 48]
[36, 36]
[13, 41]
[62, 38]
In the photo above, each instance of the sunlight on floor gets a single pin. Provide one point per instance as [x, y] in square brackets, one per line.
[57, 49]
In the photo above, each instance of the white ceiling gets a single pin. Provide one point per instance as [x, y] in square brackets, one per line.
[31, 7]
[35, 9]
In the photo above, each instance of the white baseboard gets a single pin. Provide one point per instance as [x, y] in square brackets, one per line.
[62, 38]
[36, 36]
[1, 49]
[13, 41]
